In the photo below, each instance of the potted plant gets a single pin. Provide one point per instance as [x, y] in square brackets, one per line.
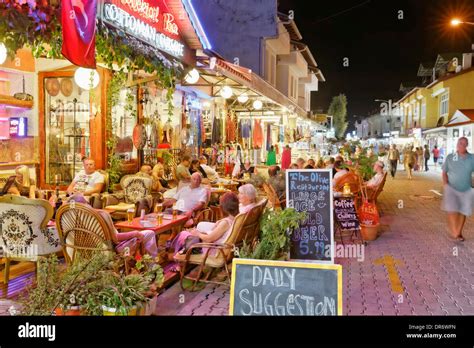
[274, 239]
[132, 287]
[61, 291]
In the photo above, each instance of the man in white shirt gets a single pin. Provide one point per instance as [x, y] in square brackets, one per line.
[87, 181]
[190, 199]
[378, 177]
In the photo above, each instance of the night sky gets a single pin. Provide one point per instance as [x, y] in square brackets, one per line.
[383, 50]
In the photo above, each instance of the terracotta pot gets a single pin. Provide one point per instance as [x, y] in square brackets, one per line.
[72, 311]
[369, 232]
[110, 312]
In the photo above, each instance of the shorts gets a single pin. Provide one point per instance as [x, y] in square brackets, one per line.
[458, 202]
[435, 159]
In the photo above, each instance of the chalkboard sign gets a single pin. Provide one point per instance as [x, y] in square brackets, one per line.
[282, 288]
[310, 191]
[345, 213]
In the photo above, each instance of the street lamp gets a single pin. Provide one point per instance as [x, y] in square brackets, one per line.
[456, 22]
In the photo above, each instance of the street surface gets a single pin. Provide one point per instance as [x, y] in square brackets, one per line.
[411, 269]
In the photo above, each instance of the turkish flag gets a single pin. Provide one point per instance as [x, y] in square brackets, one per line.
[78, 22]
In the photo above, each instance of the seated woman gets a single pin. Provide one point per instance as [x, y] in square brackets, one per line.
[209, 232]
[124, 239]
[247, 197]
[246, 168]
[23, 184]
[196, 167]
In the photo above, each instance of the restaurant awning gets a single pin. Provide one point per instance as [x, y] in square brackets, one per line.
[461, 117]
[216, 73]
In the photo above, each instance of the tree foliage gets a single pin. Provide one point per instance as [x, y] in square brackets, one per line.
[338, 109]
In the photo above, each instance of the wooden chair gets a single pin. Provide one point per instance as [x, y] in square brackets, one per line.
[83, 231]
[374, 194]
[135, 189]
[24, 235]
[246, 227]
[273, 197]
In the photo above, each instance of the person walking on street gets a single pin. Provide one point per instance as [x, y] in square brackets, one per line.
[458, 192]
[419, 159]
[409, 160]
[427, 157]
[393, 157]
[435, 156]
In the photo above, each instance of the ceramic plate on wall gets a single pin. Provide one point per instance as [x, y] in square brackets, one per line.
[52, 86]
[66, 87]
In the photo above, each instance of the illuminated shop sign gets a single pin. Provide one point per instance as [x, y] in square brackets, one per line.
[150, 24]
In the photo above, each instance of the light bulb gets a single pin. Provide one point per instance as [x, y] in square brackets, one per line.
[86, 78]
[257, 105]
[192, 76]
[3, 53]
[226, 92]
[243, 98]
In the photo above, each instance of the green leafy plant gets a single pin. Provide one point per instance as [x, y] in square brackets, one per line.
[274, 239]
[60, 288]
[118, 282]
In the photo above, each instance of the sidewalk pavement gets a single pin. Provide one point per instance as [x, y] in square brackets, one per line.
[411, 269]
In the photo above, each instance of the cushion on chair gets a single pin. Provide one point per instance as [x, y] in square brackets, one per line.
[20, 230]
[196, 259]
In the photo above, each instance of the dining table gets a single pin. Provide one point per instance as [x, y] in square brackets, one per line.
[150, 223]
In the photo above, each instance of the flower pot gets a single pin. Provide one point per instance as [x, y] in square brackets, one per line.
[369, 232]
[147, 308]
[70, 311]
[110, 312]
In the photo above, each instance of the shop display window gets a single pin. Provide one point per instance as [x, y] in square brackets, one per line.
[67, 127]
[124, 119]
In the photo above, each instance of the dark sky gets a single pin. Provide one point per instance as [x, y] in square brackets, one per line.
[383, 50]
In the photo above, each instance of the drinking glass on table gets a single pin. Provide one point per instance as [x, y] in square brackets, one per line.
[130, 215]
[175, 212]
[158, 208]
[159, 218]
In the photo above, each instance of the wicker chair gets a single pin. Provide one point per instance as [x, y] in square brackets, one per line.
[246, 227]
[135, 189]
[83, 232]
[373, 194]
[24, 235]
[273, 197]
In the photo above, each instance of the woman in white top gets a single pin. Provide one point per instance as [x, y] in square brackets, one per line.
[209, 232]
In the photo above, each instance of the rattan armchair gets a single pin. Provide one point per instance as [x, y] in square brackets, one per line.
[83, 231]
[136, 188]
[24, 234]
[246, 227]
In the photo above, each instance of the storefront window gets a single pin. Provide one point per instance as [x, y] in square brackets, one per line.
[67, 129]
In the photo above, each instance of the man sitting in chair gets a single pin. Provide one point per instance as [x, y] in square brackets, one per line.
[190, 199]
[87, 182]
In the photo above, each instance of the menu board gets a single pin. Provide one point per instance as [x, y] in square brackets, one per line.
[310, 191]
[283, 288]
[345, 213]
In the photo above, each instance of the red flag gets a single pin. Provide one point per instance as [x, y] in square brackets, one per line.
[78, 22]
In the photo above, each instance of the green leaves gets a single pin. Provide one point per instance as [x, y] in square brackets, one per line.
[274, 239]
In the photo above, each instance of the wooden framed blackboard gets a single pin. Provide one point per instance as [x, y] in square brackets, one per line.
[345, 213]
[310, 191]
[285, 288]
